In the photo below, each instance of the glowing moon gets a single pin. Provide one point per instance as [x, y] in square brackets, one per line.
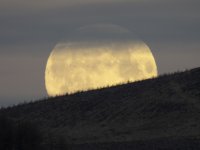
[80, 65]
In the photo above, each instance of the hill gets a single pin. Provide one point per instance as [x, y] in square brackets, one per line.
[159, 113]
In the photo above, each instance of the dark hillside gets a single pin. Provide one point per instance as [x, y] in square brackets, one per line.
[160, 113]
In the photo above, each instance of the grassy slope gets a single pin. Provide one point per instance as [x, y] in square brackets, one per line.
[167, 107]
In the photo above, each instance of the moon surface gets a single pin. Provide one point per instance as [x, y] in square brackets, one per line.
[82, 65]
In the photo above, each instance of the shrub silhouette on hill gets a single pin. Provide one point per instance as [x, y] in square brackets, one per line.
[23, 135]
[19, 135]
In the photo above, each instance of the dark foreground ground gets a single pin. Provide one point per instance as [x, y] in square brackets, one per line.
[159, 144]
[161, 113]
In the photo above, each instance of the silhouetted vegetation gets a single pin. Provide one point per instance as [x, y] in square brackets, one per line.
[18, 135]
[15, 135]
[159, 113]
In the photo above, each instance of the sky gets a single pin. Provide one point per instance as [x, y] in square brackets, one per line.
[29, 30]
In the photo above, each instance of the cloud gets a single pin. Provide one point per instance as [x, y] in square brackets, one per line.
[33, 28]
[105, 28]
[44, 5]
[153, 20]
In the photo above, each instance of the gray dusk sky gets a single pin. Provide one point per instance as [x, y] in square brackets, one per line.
[29, 30]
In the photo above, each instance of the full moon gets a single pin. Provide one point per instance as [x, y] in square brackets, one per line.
[89, 64]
